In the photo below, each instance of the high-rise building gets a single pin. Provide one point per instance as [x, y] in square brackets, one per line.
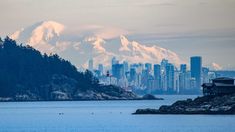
[126, 66]
[148, 67]
[114, 60]
[187, 81]
[144, 78]
[205, 75]
[90, 65]
[182, 78]
[132, 74]
[101, 69]
[118, 71]
[196, 69]
[157, 71]
[183, 68]
[182, 82]
[150, 84]
[170, 77]
[157, 76]
[176, 82]
[211, 75]
[164, 62]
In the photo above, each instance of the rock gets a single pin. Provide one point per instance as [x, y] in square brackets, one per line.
[5, 99]
[150, 97]
[201, 105]
[146, 111]
[58, 95]
[27, 96]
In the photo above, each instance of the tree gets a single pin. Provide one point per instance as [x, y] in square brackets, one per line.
[24, 70]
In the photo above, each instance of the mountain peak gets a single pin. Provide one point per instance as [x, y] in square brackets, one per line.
[216, 66]
[41, 31]
[97, 43]
[45, 31]
[39, 35]
[47, 37]
[124, 43]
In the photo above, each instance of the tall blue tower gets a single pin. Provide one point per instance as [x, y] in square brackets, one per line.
[196, 69]
[157, 75]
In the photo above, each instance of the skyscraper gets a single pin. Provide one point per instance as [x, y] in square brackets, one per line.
[196, 69]
[157, 76]
[164, 62]
[183, 68]
[114, 60]
[101, 69]
[182, 78]
[118, 71]
[126, 66]
[90, 65]
[132, 74]
[170, 77]
[148, 67]
[205, 77]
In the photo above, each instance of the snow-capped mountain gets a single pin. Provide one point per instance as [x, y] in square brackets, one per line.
[40, 35]
[216, 67]
[49, 37]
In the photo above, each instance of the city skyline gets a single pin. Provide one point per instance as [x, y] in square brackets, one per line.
[162, 78]
[185, 66]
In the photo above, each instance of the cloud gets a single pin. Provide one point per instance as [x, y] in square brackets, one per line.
[154, 3]
[102, 31]
[110, 32]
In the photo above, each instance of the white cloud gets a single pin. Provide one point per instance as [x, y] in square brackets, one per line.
[110, 32]
[105, 32]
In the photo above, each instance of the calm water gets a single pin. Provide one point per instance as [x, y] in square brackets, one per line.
[105, 116]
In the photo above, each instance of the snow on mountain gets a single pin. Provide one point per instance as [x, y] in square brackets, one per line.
[39, 35]
[46, 31]
[216, 66]
[125, 43]
[48, 37]
[97, 43]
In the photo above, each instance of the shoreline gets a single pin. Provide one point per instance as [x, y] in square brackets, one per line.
[205, 105]
[82, 100]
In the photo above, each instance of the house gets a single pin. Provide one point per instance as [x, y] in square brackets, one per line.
[219, 86]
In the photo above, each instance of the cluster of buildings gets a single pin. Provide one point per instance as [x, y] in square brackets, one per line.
[163, 78]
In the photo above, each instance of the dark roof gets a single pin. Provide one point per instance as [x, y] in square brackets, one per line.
[223, 84]
[223, 78]
[207, 84]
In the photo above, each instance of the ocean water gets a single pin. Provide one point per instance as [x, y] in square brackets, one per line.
[105, 116]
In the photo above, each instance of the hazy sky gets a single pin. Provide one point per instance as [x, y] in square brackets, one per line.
[187, 27]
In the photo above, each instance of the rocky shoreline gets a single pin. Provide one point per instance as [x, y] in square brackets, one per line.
[87, 96]
[201, 105]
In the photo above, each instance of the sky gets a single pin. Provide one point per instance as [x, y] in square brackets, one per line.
[187, 27]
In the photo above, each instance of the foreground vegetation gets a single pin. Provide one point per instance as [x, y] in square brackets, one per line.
[27, 75]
